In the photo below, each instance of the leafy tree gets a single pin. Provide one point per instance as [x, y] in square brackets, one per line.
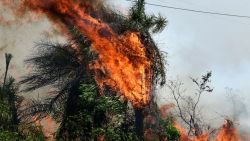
[8, 100]
[92, 125]
[140, 21]
[65, 66]
[10, 127]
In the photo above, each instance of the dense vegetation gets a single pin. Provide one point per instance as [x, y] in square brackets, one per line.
[12, 128]
[83, 113]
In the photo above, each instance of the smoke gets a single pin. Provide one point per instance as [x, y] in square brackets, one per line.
[18, 37]
[88, 17]
[193, 50]
[197, 43]
[96, 3]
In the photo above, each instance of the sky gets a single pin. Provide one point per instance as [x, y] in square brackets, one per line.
[195, 43]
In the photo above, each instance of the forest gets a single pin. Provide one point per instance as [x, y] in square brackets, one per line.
[101, 84]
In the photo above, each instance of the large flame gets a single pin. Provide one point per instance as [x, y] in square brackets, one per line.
[226, 133]
[122, 62]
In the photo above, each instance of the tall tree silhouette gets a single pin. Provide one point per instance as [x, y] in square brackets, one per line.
[9, 100]
[8, 58]
[65, 67]
[146, 24]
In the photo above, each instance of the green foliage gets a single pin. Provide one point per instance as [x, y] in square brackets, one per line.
[168, 129]
[115, 134]
[15, 136]
[8, 136]
[9, 123]
[31, 132]
[101, 116]
[4, 115]
[7, 89]
[140, 21]
[100, 103]
[87, 115]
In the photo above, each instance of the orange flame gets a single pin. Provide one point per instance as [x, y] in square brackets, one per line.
[47, 124]
[122, 62]
[226, 133]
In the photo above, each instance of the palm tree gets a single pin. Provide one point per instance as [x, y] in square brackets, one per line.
[9, 99]
[139, 21]
[64, 67]
[8, 58]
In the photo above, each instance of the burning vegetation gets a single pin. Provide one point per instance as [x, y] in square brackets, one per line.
[109, 62]
[226, 133]
[124, 61]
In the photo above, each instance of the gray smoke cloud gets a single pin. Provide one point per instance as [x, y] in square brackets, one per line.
[19, 39]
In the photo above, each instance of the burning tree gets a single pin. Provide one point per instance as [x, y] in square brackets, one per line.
[113, 52]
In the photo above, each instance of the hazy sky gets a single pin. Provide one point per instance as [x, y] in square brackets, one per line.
[196, 43]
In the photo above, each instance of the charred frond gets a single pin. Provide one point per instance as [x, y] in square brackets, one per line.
[60, 66]
[52, 64]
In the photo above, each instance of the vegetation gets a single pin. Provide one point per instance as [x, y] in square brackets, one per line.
[76, 102]
[86, 111]
[188, 105]
[168, 130]
[11, 127]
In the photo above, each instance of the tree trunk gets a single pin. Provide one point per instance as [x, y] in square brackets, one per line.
[71, 108]
[139, 123]
[13, 109]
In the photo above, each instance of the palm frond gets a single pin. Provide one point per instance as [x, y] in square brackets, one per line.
[159, 24]
[53, 63]
[60, 66]
[8, 58]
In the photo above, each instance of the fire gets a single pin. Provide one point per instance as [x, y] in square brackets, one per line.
[185, 137]
[226, 133]
[47, 124]
[165, 108]
[122, 62]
